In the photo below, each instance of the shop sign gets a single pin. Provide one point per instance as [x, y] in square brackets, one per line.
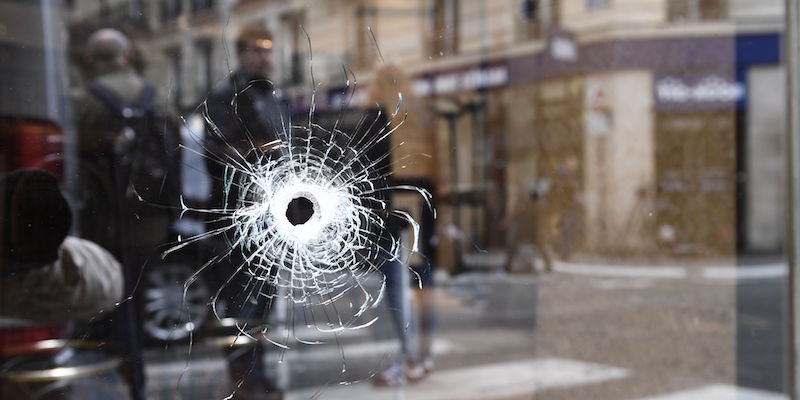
[711, 90]
[563, 49]
[470, 79]
[562, 46]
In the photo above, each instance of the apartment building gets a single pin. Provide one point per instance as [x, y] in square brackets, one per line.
[618, 127]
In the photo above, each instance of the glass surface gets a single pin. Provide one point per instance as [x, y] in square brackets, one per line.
[550, 199]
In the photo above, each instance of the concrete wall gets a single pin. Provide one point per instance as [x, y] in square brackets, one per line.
[766, 158]
[619, 163]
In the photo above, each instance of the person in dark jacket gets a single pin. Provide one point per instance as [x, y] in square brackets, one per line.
[241, 117]
[105, 150]
[113, 155]
[245, 112]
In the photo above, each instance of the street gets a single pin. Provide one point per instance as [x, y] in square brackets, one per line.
[665, 333]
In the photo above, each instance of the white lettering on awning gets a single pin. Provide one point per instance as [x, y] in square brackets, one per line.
[712, 89]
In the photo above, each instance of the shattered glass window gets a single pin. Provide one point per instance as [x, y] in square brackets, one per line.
[424, 199]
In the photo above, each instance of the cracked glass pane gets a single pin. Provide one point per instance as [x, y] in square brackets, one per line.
[425, 199]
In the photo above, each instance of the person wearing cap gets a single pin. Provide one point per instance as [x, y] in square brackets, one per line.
[241, 116]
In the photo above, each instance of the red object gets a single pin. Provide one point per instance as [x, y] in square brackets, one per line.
[31, 143]
[11, 338]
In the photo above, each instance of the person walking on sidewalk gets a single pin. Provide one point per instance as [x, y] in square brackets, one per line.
[407, 166]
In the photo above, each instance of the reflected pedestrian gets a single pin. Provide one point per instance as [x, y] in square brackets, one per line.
[408, 166]
[48, 276]
[243, 115]
[522, 203]
[128, 173]
[50, 279]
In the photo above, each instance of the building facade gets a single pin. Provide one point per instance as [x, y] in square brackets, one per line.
[597, 127]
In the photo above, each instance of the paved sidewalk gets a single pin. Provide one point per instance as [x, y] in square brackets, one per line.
[712, 272]
[664, 332]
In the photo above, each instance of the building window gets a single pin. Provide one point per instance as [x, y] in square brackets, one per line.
[202, 5]
[132, 11]
[536, 16]
[170, 9]
[530, 26]
[205, 66]
[175, 76]
[712, 9]
[697, 10]
[594, 4]
[293, 54]
[443, 27]
[104, 9]
[361, 54]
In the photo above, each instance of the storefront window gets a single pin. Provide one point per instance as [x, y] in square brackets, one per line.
[170, 9]
[697, 10]
[427, 199]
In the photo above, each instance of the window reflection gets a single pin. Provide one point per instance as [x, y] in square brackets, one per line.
[609, 179]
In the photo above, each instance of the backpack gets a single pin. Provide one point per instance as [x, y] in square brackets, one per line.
[148, 158]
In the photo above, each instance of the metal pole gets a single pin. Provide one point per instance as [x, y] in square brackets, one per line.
[792, 38]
